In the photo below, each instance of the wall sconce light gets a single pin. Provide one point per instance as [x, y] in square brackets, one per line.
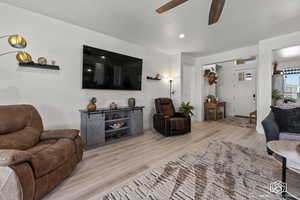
[18, 42]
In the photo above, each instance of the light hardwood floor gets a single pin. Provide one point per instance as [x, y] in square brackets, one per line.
[107, 167]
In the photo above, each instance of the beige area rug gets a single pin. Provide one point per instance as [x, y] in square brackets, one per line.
[238, 121]
[225, 171]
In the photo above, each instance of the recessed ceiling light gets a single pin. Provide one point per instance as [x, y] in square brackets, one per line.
[103, 57]
[181, 36]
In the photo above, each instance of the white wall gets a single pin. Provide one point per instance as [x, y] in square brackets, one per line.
[187, 76]
[58, 94]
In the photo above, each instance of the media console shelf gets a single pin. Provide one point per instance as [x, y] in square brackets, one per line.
[96, 127]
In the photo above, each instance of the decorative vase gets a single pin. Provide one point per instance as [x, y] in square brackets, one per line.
[42, 60]
[91, 107]
[113, 106]
[131, 102]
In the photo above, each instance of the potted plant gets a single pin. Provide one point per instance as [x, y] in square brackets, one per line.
[289, 100]
[92, 105]
[276, 96]
[186, 108]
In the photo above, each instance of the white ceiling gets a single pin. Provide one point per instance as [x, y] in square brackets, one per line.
[243, 23]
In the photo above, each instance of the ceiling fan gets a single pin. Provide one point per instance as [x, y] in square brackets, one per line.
[214, 14]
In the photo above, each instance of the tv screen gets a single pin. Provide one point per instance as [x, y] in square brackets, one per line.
[108, 70]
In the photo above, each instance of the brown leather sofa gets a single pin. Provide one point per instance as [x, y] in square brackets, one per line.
[33, 161]
[168, 122]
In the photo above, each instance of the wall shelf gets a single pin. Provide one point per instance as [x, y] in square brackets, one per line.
[153, 78]
[36, 65]
[117, 120]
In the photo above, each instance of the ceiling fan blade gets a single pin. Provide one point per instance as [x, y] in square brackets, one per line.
[170, 5]
[215, 11]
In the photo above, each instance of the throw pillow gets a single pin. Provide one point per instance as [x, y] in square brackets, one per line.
[288, 120]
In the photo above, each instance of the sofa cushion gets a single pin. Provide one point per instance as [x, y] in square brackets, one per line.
[288, 120]
[50, 154]
[289, 136]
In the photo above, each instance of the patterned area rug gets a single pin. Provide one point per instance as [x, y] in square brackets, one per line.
[225, 171]
[238, 121]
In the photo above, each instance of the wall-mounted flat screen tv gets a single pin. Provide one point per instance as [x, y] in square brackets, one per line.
[108, 70]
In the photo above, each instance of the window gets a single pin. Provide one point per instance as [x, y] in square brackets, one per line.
[292, 87]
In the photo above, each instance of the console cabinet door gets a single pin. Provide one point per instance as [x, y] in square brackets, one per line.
[136, 122]
[140, 122]
[95, 129]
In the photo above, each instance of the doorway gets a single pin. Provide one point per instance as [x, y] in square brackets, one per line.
[237, 87]
[245, 91]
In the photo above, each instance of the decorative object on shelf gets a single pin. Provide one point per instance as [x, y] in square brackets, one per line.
[212, 78]
[113, 106]
[53, 62]
[42, 61]
[18, 42]
[210, 72]
[92, 105]
[211, 99]
[117, 125]
[186, 108]
[131, 102]
[157, 77]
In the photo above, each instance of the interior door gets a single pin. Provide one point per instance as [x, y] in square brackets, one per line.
[245, 91]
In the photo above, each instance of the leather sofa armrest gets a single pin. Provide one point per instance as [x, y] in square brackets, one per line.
[59, 134]
[11, 157]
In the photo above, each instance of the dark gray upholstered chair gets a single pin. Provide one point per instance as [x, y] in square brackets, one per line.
[273, 132]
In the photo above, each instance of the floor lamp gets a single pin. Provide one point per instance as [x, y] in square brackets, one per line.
[18, 42]
[171, 88]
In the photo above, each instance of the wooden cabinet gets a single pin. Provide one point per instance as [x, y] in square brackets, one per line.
[212, 111]
[96, 127]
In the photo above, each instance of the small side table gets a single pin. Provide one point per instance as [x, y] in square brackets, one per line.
[214, 106]
[287, 151]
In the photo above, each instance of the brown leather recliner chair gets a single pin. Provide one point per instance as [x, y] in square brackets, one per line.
[33, 161]
[168, 122]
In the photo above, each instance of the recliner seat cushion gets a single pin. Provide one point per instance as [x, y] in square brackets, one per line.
[50, 155]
